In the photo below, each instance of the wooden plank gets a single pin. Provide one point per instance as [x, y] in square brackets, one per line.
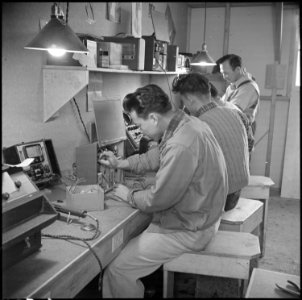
[277, 48]
[270, 133]
[168, 284]
[226, 36]
[254, 220]
[243, 210]
[256, 180]
[291, 59]
[230, 227]
[255, 192]
[59, 86]
[248, 225]
[229, 267]
[227, 243]
[278, 30]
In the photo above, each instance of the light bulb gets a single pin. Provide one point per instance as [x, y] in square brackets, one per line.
[56, 52]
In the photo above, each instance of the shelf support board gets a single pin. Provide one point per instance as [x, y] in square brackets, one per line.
[59, 86]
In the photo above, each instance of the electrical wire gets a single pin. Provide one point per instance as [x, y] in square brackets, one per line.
[160, 64]
[166, 79]
[205, 22]
[67, 11]
[76, 104]
[84, 240]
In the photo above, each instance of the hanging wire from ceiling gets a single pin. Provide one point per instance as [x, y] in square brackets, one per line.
[205, 22]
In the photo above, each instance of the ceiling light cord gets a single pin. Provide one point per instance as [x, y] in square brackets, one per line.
[205, 22]
[67, 12]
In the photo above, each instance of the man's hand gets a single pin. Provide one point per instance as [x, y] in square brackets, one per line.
[107, 158]
[120, 193]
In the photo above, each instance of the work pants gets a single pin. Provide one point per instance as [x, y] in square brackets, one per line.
[146, 253]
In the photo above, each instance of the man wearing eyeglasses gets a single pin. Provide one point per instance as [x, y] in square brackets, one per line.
[186, 200]
[228, 125]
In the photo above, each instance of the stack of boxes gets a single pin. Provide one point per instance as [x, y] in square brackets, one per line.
[138, 54]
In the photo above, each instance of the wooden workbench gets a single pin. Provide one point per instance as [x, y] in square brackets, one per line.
[61, 269]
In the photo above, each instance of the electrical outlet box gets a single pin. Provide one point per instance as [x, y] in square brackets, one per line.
[275, 76]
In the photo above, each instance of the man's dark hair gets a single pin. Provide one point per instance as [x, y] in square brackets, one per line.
[234, 60]
[216, 68]
[147, 99]
[191, 83]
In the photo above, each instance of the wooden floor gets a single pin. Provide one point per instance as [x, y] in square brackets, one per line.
[282, 253]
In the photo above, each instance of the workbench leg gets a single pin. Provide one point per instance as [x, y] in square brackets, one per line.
[168, 288]
[244, 283]
[263, 227]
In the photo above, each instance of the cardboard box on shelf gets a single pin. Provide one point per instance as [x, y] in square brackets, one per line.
[109, 54]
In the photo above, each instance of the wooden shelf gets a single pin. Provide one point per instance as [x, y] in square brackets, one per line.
[62, 83]
[107, 70]
[104, 70]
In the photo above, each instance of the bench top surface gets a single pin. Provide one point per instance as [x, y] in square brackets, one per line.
[243, 210]
[231, 244]
[256, 180]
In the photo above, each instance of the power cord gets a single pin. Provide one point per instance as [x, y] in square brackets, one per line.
[159, 62]
[84, 240]
[166, 79]
[76, 104]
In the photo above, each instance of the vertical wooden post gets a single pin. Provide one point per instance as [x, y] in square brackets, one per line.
[227, 17]
[278, 41]
[271, 127]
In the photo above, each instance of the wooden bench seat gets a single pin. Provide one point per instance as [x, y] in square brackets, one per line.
[259, 188]
[228, 255]
[245, 217]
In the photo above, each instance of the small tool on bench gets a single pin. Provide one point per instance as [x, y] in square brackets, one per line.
[292, 288]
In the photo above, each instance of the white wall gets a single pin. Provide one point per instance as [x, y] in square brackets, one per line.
[251, 37]
[22, 89]
[291, 173]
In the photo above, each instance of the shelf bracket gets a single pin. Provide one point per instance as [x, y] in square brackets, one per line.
[59, 86]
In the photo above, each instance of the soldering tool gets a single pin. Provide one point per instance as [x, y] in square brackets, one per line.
[64, 210]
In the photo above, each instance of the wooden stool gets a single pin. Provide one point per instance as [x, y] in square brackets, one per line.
[229, 255]
[259, 188]
[247, 216]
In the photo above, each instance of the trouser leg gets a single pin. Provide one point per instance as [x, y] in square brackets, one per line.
[143, 255]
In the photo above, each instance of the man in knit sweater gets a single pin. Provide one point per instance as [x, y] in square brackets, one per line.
[227, 126]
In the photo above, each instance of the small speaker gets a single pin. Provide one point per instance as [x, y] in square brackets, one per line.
[172, 58]
[92, 132]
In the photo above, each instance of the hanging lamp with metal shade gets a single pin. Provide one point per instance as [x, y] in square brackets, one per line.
[202, 58]
[57, 37]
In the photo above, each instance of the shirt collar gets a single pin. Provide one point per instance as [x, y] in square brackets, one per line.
[205, 108]
[240, 80]
[174, 122]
